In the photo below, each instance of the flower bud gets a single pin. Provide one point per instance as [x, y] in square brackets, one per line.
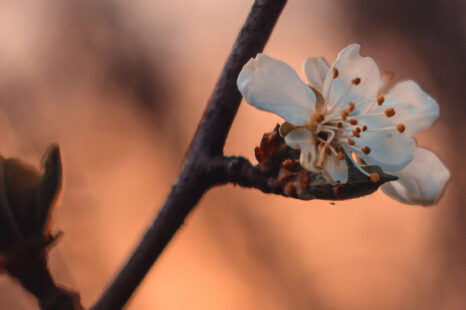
[27, 196]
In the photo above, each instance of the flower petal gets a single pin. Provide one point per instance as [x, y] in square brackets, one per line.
[421, 181]
[335, 170]
[271, 85]
[303, 140]
[414, 108]
[316, 70]
[389, 149]
[350, 65]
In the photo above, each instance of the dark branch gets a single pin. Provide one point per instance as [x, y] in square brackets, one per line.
[206, 145]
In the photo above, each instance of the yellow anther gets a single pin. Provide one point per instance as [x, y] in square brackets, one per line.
[356, 81]
[375, 177]
[401, 128]
[344, 114]
[380, 100]
[335, 73]
[319, 118]
[353, 121]
[389, 112]
[366, 150]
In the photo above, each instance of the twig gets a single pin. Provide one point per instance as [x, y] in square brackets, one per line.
[207, 145]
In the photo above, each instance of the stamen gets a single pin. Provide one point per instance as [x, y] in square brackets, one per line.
[319, 118]
[366, 150]
[351, 106]
[380, 100]
[351, 141]
[335, 73]
[364, 128]
[344, 115]
[358, 130]
[356, 81]
[401, 128]
[389, 112]
[353, 121]
[375, 177]
[356, 134]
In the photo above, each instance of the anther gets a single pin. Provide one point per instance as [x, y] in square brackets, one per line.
[390, 112]
[364, 128]
[353, 121]
[335, 73]
[351, 106]
[375, 177]
[356, 81]
[319, 118]
[366, 150]
[358, 130]
[340, 125]
[344, 114]
[351, 141]
[356, 134]
[401, 128]
[340, 155]
[380, 100]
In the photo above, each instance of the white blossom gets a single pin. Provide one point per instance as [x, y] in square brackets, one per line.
[342, 114]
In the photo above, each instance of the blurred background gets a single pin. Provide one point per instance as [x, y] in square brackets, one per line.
[121, 86]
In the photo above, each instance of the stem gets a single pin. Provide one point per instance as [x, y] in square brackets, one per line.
[207, 145]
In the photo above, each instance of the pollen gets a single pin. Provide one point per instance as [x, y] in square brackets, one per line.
[390, 112]
[364, 128]
[351, 106]
[401, 128]
[344, 114]
[356, 81]
[351, 141]
[380, 100]
[375, 177]
[340, 156]
[353, 121]
[335, 73]
[366, 150]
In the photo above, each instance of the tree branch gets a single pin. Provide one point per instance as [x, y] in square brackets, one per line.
[207, 145]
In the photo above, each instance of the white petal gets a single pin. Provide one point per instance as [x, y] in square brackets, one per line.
[421, 181]
[335, 169]
[303, 140]
[413, 107]
[316, 70]
[389, 149]
[271, 85]
[350, 65]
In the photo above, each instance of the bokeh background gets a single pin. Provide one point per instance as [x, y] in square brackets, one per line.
[121, 86]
